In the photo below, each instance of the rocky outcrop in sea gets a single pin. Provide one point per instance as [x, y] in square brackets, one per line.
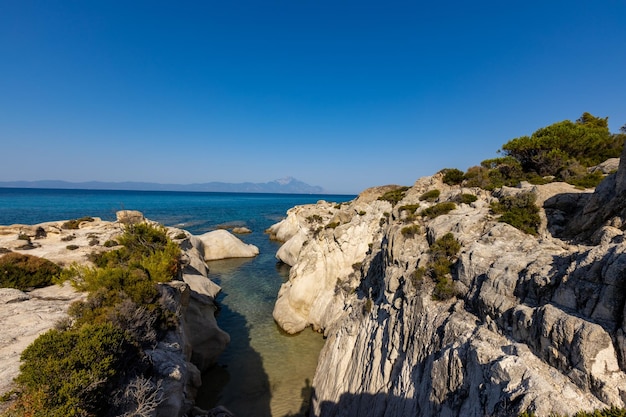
[534, 323]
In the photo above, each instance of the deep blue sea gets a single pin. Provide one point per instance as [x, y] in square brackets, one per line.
[263, 372]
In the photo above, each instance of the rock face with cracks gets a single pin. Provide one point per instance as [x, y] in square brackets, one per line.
[178, 359]
[534, 323]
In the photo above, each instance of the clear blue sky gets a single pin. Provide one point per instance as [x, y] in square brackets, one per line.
[342, 94]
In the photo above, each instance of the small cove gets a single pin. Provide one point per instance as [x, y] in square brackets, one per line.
[263, 372]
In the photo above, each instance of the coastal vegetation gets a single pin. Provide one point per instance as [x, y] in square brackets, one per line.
[562, 151]
[75, 223]
[26, 272]
[410, 208]
[443, 253]
[410, 231]
[520, 211]
[430, 195]
[83, 367]
[452, 176]
[438, 209]
[467, 198]
[394, 196]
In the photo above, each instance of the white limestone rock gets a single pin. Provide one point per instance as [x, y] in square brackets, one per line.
[537, 322]
[221, 244]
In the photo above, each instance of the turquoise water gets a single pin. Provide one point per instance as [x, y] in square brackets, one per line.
[263, 372]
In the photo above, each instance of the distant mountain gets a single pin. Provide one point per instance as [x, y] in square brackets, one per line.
[286, 185]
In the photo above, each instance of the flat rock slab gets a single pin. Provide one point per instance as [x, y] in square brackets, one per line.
[23, 317]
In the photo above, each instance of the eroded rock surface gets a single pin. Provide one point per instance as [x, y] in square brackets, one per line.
[536, 322]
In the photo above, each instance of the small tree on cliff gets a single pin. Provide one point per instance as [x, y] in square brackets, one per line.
[555, 149]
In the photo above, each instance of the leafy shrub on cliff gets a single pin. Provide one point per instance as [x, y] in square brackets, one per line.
[127, 274]
[560, 152]
[590, 180]
[520, 211]
[394, 196]
[26, 271]
[549, 149]
[145, 247]
[438, 209]
[332, 225]
[430, 195]
[74, 372]
[452, 176]
[84, 366]
[411, 208]
[75, 224]
[443, 255]
[410, 231]
[467, 198]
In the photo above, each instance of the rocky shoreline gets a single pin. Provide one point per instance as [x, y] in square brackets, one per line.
[535, 323]
[179, 358]
[532, 322]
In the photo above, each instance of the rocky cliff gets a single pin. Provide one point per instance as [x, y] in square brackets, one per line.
[534, 322]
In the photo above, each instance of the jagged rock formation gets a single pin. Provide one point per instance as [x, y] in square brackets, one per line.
[537, 323]
[178, 359]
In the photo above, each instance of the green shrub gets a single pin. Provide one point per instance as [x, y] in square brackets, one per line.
[73, 373]
[467, 198]
[411, 208]
[362, 213]
[76, 369]
[590, 180]
[394, 196]
[444, 288]
[146, 247]
[332, 225]
[443, 254]
[40, 233]
[110, 243]
[68, 238]
[452, 176]
[520, 211]
[548, 150]
[26, 271]
[417, 277]
[445, 247]
[430, 195]
[410, 231]
[438, 209]
[314, 218]
[478, 176]
[23, 236]
[71, 247]
[75, 224]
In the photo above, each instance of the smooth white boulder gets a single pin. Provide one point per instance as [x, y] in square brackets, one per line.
[221, 244]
